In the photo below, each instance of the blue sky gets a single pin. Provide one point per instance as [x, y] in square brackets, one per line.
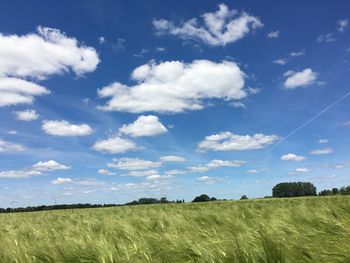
[110, 101]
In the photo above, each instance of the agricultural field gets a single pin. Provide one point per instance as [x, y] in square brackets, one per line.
[307, 229]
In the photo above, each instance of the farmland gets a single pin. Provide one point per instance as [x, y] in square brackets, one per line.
[306, 229]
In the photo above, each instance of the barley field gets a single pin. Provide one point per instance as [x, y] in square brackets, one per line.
[312, 229]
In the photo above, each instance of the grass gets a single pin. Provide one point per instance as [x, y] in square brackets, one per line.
[313, 229]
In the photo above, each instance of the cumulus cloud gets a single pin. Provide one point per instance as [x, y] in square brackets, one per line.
[172, 158]
[303, 78]
[15, 91]
[327, 38]
[207, 179]
[133, 164]
[175, 172]
[273, 34]
[37, 56]
[64, 128]
[215, 164]
[60, 180]
[227, 141]
[302, 170]
[280, 61]
[26, 115]
[217, 29]
[292, 157]
[144, 126]
[46, 52]
[322, 141]
[50, 166]
[174, 86]
[157, 177]
[106, 172]
[255, 171]
[297, 53]
[114, 145]
[342, 24]
[10, 147]
[327, 150]
[35, 170]
[142, 173]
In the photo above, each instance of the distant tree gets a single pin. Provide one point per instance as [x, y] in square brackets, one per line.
[183, 200]
[213, 199]
[164, 200]
[294, 189]
[201, 198]
[345, 190]
[325, 193]
[335, 191]
[244, 197]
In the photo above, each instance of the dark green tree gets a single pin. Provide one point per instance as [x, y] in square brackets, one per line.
[201, 198]
[294, 189]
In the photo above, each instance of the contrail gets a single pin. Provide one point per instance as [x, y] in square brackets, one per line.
[310, 120]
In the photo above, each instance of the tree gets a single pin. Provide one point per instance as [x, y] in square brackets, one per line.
[293, 189]
[325, 193]
[335, 191]
[201, 198]
[244, 197]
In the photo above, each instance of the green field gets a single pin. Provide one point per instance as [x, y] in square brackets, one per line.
[314, 229]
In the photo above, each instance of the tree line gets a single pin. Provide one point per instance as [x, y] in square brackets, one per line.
[288, 189]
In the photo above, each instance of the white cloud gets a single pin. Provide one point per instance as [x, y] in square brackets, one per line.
[114, 145]
[172, 158]
[303, 78]
[12, 132]
[342, 24]
[64, 128]
[27, 115]
[322, 141]
[141, 173]
[10, 147]
[15, 91]
[280, 61]
[174, 86]
[292, 157]
[297, 54]
[218, 29]
[119, 44]
[215, 164]
[157, 177]
[302, 170]
[106, 172]
[322, 151]
[101, 40]
[255, 171]
[14, 174]
[227, 141]
[207, 179]
[46, 52]
[238, 104]
[50, 166]
[144, 126]
[60, 180]
[175, 172]
[161, 49]
[327, 38]
[133, 164]
[273, 34]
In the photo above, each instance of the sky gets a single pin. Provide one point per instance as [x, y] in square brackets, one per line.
[111, 101]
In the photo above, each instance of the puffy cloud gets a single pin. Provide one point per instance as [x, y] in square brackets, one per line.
[10, 147]
[133, 164]
[292, 157]
[106, 172]
[342, 24]
[273, 34]
[327, 150]
[64, 128]
[215, 164]
[175, 172]
[114, 145]
[303, 78]
[327, 38]
[49, 166]
[15, 91]
[218, 29]
[238, 104]
[172, 158]
[302, 170]
[174, 86]
[297, 54]
[144, 126]
[142, 173]
[27, 115]
[60, 180]
[227, 141]
[322, 141]
[255, 171]
[207, 179]
[157, 177]
[41, 54]
[280, 61]
[14, 174]
[35, 170]
[38, 56]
